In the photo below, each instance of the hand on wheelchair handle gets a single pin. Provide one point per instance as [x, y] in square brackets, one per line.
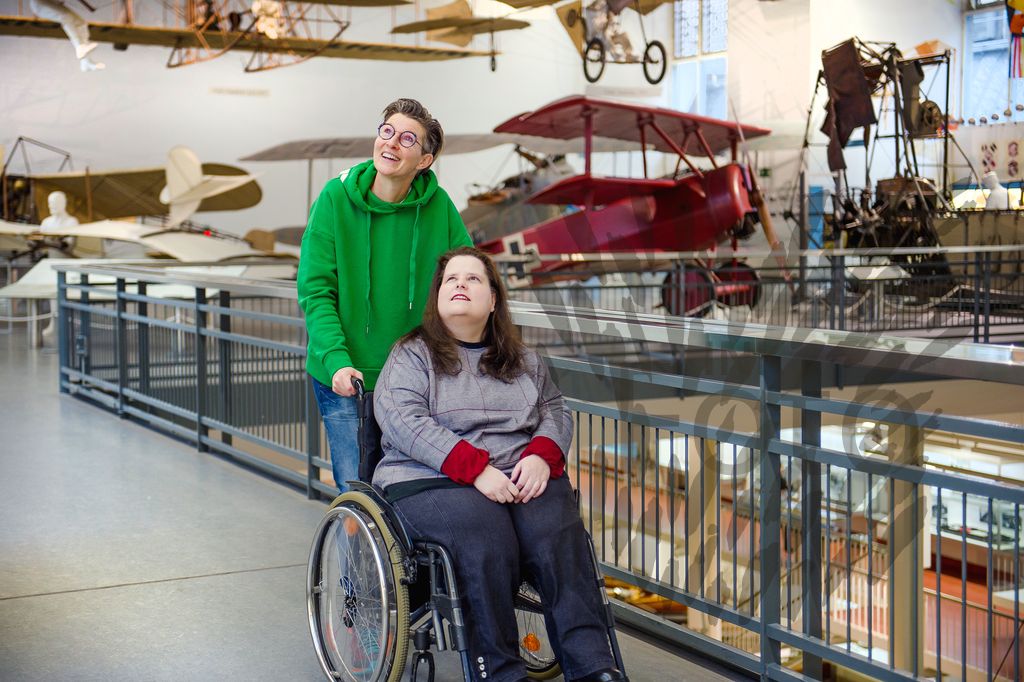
[496, 486]
[342, 381]
[531, 477]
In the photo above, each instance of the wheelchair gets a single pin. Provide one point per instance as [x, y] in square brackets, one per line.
[372, 593]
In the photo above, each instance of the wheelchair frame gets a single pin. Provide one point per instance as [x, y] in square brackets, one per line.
[370, 513]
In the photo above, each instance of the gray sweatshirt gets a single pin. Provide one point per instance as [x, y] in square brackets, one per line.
[423, 415]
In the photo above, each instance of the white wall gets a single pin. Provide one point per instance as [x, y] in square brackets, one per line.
[130, 114]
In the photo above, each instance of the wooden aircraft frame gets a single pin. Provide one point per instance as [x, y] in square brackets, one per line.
[195, 38]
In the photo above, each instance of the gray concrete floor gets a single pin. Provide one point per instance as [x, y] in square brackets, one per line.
[126, 555]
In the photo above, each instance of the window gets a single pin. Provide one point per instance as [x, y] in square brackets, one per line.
[987, 87]
[699, 74]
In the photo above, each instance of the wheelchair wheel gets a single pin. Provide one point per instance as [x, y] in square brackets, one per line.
[357, 603]
[534, 644]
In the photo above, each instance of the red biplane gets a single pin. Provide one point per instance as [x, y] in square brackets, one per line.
[692, 210]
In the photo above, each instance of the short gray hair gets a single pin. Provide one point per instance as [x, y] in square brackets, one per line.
[418, 112]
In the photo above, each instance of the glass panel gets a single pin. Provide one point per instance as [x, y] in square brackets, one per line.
[686, 23]
[714, 97]
[986, 64]
[715, 26]
[684, 86]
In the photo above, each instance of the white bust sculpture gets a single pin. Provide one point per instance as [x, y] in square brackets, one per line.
[59, 218]
[998, 197]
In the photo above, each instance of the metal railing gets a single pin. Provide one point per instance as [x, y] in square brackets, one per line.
[959, 292]
[787, 554]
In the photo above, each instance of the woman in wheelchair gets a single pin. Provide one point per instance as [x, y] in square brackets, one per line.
[474, 436]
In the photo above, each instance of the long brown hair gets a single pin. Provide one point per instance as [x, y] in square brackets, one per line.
[503, 358]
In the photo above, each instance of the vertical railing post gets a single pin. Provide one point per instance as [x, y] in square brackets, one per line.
[805, 237]
[810, 518]
[833, 294]
[224, 373]
[312, 439]
[841, 271]
[770, 513]
[977, 296]
[84, 339]
[142, 307]
[121, 345]
[200, 349]
[987, 288]
[63, 321]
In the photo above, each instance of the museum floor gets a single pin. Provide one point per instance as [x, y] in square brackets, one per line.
[126, 555]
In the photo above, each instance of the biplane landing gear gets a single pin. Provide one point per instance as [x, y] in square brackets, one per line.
[494, 63]
[593, 60]
[730, 284]
[655, 62]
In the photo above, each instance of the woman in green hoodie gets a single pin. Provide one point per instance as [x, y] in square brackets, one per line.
[368, 254]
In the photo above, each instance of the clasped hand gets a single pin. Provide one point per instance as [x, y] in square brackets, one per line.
[529, 480]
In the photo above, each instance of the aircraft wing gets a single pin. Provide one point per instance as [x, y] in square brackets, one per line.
[564, 120]
[123, 193]
[17, 229]
[189, 246]
[362, 147]
[183, 38]
[102, 229]
[599, 191]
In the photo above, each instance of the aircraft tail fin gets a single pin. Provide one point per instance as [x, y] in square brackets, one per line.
[184, 172]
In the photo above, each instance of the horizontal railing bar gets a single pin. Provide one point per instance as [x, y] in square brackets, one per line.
[94, 310]
[930, 420]
[257, 462]
[674, 426]
[254, 439]
[1003, 364]
[92, 393]
[188, 327]
[855, 662]
[140, 397]
[903, 472]
[186, 303]
[184, 432]
[711, 386]
[292, 350]
[712, 609]
[690, 639]
[89, 379]
[275, 318]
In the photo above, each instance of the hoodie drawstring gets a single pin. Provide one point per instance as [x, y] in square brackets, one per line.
[412, 255]
[369, 279]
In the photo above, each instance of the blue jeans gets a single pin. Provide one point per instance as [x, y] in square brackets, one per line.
[341, 421]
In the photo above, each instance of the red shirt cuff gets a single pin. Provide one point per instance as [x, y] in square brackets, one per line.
[548, 450]
[465, 462]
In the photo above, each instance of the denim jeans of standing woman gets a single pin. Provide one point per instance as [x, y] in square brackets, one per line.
[341, 422]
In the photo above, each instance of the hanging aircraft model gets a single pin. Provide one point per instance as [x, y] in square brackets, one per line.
[172, 194]
[597, 32]
[691, 210]
[455, 23]
[276, 33]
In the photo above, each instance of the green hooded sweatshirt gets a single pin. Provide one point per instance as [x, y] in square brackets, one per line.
[366, 267]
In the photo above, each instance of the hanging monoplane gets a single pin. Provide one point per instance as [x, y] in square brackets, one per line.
[456, 24]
